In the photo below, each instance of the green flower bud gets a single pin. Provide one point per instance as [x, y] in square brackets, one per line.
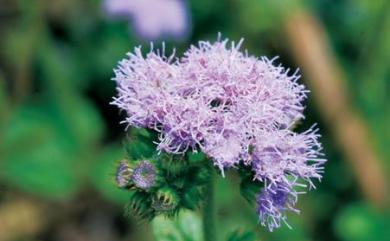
[123, 174]
[165, 200]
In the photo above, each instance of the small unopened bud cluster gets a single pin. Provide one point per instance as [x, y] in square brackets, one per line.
[161, 184]
[139, 174]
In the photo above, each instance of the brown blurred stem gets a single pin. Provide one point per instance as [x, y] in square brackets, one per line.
[310, 47]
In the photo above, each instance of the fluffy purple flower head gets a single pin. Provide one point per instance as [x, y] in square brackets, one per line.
[272, 203]
[234, 107]
[215, 98]
[144, 175]
[152, 19]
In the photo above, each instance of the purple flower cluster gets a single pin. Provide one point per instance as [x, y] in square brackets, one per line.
[234, 107]
[152, 19]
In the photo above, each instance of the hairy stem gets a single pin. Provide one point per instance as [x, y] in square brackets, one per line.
[209, 209]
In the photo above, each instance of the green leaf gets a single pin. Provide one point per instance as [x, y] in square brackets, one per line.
[35, 157]
[59, 70]
[186, 227]
[240, 235]
[78, 118]
[358, 222]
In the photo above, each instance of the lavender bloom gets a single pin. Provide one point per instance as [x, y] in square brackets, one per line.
[152, 19]
[234, 107]
[283, 152]
[144, 175]
[123, 173]
[214, 97]
[271, 205]
[280, 160]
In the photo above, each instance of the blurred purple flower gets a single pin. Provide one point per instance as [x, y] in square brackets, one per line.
[152, 19]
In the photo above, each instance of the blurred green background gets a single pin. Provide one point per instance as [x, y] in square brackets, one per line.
[60, 138]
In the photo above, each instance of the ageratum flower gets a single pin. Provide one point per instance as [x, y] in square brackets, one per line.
[152, 19]
[234, 107]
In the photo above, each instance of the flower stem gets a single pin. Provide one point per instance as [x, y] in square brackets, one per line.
[209, 209]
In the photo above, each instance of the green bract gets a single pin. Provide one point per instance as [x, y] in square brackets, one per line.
[160, 184]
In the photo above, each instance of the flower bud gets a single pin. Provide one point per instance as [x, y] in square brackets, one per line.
[166, 199]
[144, 175]
[123, 174]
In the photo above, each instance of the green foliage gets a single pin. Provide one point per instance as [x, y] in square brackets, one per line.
[358, 222]
[249, 189]
[139, 144]
[36, 155]
[187, 226]
[140, 206]
[251, 10]
[4, 102]
[239, 235]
